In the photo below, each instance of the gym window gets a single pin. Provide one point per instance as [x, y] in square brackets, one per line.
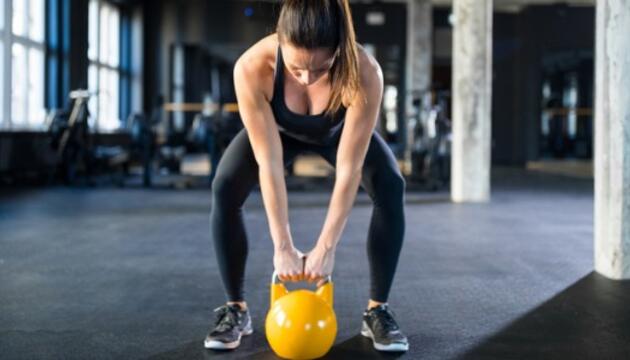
[22, 64]
[104, 64]
[130, 63]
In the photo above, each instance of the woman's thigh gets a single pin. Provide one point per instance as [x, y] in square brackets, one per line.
[237, 171]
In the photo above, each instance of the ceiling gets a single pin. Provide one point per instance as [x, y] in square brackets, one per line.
[502, 5]
[516, 5]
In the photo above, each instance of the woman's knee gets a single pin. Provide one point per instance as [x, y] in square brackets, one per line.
[388, 189]
[224, 191]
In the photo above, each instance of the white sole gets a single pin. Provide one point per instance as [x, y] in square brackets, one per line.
[218, 345]
[365, 331]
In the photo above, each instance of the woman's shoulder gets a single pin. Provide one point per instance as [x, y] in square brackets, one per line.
[258, 63]
[369, 68]
[370, 76]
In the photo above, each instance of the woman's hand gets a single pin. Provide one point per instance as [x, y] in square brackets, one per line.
[289, 264]
[319, 264]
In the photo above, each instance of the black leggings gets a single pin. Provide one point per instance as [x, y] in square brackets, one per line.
[237, 174]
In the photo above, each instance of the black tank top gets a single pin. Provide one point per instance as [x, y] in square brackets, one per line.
[315, 129]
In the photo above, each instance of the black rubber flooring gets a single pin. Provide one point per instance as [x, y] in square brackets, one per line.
[111, 273]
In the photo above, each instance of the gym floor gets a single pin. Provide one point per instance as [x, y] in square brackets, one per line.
[107, 273]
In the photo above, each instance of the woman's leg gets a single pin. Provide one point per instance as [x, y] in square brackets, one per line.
[236, 176]
[382, 180]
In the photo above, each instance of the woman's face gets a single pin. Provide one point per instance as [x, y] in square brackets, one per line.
[307, 66]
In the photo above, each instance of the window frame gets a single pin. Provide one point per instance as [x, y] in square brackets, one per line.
[8, 39]
[98, 63]
[5, 66]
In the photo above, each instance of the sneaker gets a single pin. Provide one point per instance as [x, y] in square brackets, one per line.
[230, 324]
[380, 326]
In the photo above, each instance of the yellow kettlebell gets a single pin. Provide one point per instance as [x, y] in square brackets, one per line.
[301, 324]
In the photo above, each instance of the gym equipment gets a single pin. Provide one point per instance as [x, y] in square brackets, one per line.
[212, 129]
[154, 146]
[75, 146]
[70, 136]
[143, 143]
[205, 135]
[301, 324]
[431, 146]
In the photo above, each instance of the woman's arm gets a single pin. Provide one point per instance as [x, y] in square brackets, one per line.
[265, 140]
[360, 121]
[361, 117]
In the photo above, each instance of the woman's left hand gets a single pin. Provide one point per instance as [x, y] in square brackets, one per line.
[319, 264]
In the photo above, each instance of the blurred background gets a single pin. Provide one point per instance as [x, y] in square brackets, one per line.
[115, 113]
[153, 99]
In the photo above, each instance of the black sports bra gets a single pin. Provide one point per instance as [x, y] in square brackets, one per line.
[317, 129]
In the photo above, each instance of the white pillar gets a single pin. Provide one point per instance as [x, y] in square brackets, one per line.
[472, 93]
[419, 60]
[612, 139]
[419, 44]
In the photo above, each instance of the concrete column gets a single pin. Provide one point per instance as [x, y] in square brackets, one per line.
[419, 59]
[612, 139]
[472, 93]
[420, 44]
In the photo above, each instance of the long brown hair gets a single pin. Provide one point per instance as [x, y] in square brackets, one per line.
[312, 24]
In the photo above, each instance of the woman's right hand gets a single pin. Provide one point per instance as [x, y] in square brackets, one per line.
[289, 264]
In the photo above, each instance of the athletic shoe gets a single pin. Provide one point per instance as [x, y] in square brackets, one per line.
[380, 326]
[230, 324]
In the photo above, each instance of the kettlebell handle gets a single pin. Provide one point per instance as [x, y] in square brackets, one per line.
[275, 279]
[278, 290]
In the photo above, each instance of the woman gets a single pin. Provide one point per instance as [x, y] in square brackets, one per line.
[308, 87]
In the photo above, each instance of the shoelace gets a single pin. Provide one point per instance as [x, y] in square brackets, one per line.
[386, 319]
[225, 317]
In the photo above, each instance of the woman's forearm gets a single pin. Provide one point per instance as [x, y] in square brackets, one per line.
[274, 193]
[342, 199]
